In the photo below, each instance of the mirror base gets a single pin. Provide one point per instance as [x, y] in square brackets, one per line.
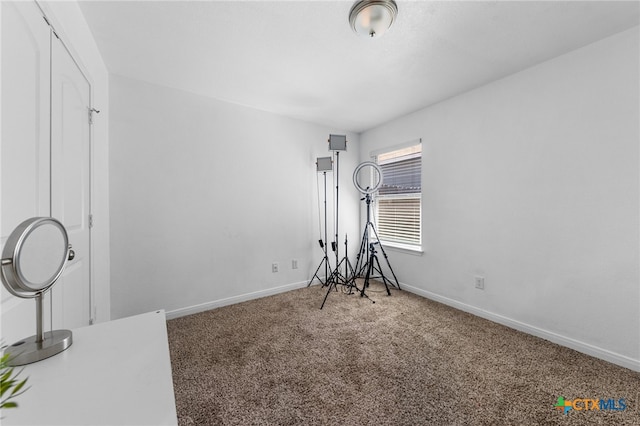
[28, 351]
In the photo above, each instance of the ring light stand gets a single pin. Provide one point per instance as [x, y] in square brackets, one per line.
[33, 259]
[367, 262]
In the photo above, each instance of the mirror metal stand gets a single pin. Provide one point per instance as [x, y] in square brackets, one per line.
[40, 346]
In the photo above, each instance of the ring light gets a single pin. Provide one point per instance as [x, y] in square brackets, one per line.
[374, 176]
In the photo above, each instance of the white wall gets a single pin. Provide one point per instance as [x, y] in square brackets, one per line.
[533, 182]
[71, 26]
[206, 195]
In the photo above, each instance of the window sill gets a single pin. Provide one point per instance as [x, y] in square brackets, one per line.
[403, 248]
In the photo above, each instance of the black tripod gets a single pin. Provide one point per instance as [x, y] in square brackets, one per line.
[373, 260]
[336, 278]
[348, 268]
[366, 257]
[323, 246]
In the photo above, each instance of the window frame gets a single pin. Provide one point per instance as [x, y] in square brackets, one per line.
[404, 247]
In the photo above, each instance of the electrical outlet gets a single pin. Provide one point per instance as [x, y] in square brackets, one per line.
[479, 282]
[294, 264]
[274, 267]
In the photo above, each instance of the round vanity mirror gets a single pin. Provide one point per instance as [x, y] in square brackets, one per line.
[33, 259]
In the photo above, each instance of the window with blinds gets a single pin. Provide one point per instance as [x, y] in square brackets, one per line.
[400, 196]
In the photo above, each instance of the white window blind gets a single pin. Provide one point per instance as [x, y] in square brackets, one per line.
[400, 196]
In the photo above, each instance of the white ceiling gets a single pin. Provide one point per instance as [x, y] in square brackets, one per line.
[301, 59]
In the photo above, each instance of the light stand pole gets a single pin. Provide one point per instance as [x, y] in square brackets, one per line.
[323, 164]
[337, 143]
[334, 244]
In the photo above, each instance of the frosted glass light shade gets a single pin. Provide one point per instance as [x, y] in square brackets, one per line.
[372, 18]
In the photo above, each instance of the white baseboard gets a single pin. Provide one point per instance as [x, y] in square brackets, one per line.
[233, 300]
[594, 351]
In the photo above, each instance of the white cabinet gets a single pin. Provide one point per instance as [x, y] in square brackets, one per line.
[115, 373]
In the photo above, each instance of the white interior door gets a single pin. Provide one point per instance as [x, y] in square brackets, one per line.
[70, 184]
[24, 144]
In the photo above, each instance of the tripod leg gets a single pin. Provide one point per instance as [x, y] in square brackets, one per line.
[361, 252]
[351, 282]
[316, 273]
[390, 268]
[332, 278]
[384, 253]
[368, 275]
[327, 295]
[384, 279]
[341, 279]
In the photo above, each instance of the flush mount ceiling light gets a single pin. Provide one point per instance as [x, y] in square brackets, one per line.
[372, 18]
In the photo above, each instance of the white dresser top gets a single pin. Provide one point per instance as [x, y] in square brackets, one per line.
[114, 373]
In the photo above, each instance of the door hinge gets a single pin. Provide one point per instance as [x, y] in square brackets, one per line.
[91, 111]
[90, 221]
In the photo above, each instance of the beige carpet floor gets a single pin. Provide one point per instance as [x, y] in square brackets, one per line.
[404, 360]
